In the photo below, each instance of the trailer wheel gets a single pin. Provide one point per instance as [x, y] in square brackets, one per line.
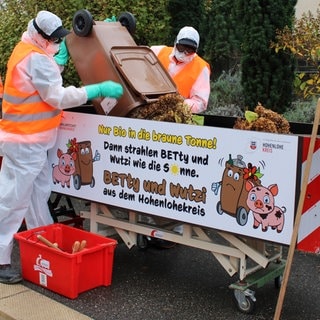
[243, 302]
[278, 282]
[142, 242]
[82, 23]
[242, 216]
[77, 181]
[128, 20]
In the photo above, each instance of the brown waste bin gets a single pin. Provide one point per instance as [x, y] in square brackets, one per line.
[106, 51]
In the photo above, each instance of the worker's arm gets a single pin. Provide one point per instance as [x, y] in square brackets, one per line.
[200, 92]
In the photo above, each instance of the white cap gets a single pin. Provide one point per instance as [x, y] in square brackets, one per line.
[189, 37]
[49, 25]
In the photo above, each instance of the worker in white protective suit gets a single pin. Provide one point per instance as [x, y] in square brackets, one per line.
[189, 71]
[33, 100]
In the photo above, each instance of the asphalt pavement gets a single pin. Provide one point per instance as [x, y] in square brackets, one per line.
[188, 283]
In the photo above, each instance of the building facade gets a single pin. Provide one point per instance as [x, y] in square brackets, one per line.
[303, 6]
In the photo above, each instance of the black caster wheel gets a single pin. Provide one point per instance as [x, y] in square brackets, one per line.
[244, 303]
[128, 20]
[82, 23]
[142, 242]
[278, 282]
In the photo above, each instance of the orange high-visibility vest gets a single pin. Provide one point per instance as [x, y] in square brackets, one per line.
[186, 78]
[25, 112]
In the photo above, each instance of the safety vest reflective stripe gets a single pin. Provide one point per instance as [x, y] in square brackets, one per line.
[25, 112]
[30, 117]
[20, 100]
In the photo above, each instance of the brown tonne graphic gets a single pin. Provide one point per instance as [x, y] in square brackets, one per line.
[233, 195]
[84, 166]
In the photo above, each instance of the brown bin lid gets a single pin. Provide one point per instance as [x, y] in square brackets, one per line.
[142, 70]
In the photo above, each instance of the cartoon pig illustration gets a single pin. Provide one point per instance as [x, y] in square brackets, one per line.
[261, 202]
[63, 171]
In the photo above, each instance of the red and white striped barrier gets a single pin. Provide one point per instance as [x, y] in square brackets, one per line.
[309, 229]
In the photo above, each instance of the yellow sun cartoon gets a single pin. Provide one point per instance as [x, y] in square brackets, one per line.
[174, 169]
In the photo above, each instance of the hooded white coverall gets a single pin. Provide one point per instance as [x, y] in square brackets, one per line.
[198, 96]
[24, 175]
[200, 91]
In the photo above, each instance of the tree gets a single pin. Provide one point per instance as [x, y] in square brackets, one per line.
[222, 36]
[267, 76]
[303, 41]
[184, 13]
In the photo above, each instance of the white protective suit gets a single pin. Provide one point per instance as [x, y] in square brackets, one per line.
[24, 175]
[200, 91]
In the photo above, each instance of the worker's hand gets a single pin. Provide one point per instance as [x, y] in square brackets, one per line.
[104, 89]
[112, 19]
[62, 56]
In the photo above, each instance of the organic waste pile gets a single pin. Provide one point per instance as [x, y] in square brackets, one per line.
[169, 108]
[263, 119]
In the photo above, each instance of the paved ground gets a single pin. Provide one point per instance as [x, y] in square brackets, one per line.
[18, 302]
[187, 283]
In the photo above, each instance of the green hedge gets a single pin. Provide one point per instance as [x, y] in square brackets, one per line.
[151, 15]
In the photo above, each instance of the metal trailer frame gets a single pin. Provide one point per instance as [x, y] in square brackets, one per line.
[237, 254]
[255, 261]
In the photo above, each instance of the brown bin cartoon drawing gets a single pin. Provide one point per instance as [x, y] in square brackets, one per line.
[84, 165]
[233, 194]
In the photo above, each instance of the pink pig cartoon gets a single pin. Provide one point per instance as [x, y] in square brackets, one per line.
[261, 202]
[63, 171]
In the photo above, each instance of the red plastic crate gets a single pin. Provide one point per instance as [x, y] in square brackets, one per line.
[65, 272]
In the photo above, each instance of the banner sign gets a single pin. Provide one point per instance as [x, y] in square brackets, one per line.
[232, 180]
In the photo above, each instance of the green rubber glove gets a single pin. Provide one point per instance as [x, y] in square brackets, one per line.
[62, 56]
[112, 19]
[104, 89]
